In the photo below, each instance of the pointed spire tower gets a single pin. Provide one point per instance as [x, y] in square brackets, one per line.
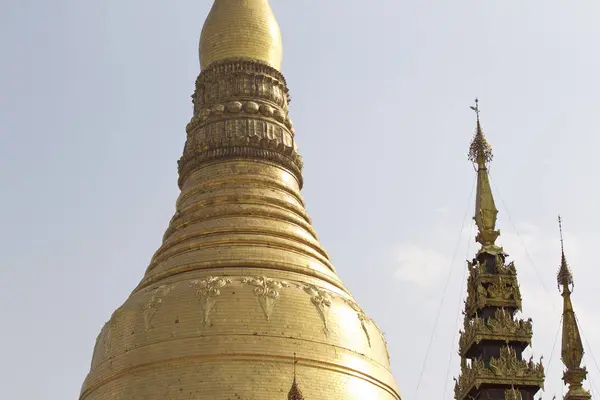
[572, 347]
[492, 339]
[240, 282]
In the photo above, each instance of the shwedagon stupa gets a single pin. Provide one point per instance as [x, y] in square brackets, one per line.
[240, 302]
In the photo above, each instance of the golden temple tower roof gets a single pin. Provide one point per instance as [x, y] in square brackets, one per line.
[240, 282]
[241, 29]
[492, 340]
[572, 347]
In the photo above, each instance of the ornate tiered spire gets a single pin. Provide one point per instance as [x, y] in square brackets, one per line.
[572, 347]
[492, 340]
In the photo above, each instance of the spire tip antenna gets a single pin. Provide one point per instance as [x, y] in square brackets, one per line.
[562, 242]
[295, 362]
[476, 107]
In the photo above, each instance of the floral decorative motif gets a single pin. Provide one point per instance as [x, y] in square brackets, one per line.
[152, 305]
[385, 343]
[207, 290]
[363, 318]
[322, 301]
[267, 291]
[363, 323]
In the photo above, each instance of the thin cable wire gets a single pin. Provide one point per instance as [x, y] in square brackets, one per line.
[587, 345]
[523, 243]
[593, 388]
[458, 313]
[443, 295]
[549, 364]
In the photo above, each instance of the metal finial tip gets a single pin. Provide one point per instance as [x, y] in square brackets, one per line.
[476, 107]
[295, 362]
[561, 233]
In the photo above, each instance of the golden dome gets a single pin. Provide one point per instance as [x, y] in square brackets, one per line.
[240, 284]
[241, 29]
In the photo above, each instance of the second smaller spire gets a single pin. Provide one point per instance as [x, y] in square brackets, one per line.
[572, 347]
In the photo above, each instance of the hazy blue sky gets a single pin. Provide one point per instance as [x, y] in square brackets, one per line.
[95, 96]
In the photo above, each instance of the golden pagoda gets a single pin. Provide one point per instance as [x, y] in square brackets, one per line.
[492, 340]
[572, 347]
[240, 283]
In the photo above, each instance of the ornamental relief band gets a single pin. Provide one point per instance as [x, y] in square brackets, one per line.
[241, 132]
[240, 104]
[267, 291]
[502, 325]
[506, 368]
[207, 292]
[492, 290]
[247, 78]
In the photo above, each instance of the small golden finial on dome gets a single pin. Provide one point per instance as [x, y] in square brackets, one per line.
[480, 153]
[295, 393]
[241, 29]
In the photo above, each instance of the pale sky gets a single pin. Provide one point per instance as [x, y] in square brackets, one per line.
[95, 96]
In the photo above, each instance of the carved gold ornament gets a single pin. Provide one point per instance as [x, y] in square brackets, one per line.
[267, 291]
[207, 291]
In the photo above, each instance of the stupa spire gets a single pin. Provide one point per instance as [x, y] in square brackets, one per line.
[480, 153]
[492, 340]
[572, 346]
[240, 280]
